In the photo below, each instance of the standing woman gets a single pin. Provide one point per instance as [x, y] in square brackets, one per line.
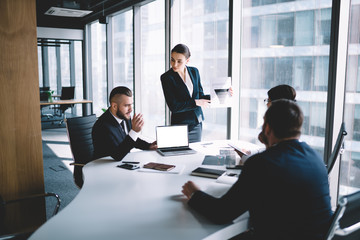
[183, 92]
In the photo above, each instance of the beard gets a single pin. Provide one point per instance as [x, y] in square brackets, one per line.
[122, 116]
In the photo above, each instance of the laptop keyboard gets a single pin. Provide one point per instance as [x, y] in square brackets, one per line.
[176, 149]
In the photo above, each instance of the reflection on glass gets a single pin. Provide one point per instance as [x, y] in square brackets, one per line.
[152, 65]
[123, 67]
[285, 44]
[350, 164]
[205, 30]
[98, 67]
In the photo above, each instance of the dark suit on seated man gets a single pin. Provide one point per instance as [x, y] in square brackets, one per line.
[285, 188]
[110, 138]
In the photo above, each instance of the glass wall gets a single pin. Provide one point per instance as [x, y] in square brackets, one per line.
[350, 164]
[204, 28]
[152, 50]
[123, 52]
[285, 43]
[61, 65]
[98, 67]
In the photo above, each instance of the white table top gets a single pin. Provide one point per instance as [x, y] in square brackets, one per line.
[116, 203]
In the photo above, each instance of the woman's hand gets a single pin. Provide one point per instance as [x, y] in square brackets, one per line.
[202, 103]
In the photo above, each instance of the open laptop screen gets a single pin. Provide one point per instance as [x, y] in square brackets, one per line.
[172, 136]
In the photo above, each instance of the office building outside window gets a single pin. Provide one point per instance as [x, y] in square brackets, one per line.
[284, 42]
[204, 28]
[152, 101]
[350, 164]
[123, 54]
[98, 67]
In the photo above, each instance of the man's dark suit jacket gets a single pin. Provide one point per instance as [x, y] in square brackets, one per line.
[285, 189]
[110, 139]
[182, 106]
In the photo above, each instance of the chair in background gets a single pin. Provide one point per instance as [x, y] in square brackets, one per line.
[338, 148]
[67, 93]
[346, 219]
[79, 133]
[5, 211]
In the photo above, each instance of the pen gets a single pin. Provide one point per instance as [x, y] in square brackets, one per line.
[130, 162]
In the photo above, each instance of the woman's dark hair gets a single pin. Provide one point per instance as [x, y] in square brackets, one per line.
[285, 118]
[183, 49]
[120, 90]
[282, 92]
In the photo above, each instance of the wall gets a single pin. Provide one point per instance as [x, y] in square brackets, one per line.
[21, 164]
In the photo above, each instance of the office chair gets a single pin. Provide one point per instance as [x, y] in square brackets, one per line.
[338, 148]
[346, 219]
[67, 93]
[5, 210]
[79, 134]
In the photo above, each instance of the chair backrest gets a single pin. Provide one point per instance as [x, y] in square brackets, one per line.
[337, 147]
[79, 133]
[346, 219]
[67, 93]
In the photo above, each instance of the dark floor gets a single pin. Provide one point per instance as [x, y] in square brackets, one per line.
[57, 171]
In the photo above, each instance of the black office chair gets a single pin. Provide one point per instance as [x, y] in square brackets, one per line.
[67, 93]
[346, 219]
[5, 210]
[79, 133]
[338, 148]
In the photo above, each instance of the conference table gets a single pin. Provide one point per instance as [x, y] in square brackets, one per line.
[116, 203]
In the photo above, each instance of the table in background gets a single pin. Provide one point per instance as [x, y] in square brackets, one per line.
[116, 203]
[68, 102]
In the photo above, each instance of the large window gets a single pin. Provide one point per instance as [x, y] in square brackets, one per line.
[152, 50]
[204, 28]
[283, 43]
[123, 54]
[350, 164]
[98, 67]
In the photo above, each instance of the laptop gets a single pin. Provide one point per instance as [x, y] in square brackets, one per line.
[173, 140]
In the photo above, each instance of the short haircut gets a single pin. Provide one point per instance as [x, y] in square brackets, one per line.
[183, 49]
[282, 92]
[285, 118]
[120, 90]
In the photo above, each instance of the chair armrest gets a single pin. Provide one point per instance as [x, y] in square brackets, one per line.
[77, 164]
[41, 195]
[348, 230]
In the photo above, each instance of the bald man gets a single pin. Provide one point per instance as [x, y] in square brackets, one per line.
[115, 133]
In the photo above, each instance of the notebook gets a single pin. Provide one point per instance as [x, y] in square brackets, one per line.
[173, 140]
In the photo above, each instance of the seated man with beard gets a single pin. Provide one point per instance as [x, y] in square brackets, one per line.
[115, 133]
